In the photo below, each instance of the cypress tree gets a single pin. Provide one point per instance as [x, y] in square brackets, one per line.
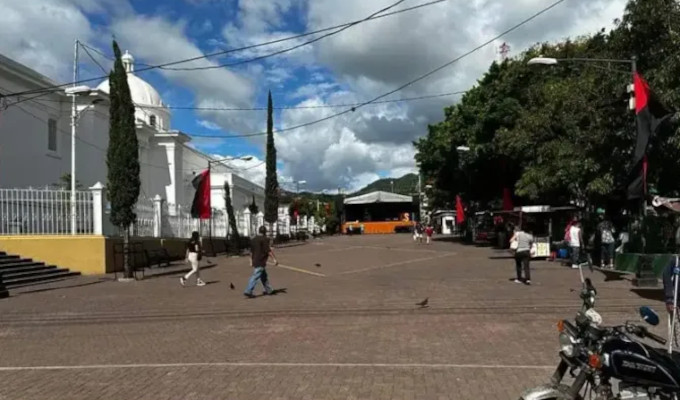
[271, 189]
[122, 155]
[234, 238]
[253, 207]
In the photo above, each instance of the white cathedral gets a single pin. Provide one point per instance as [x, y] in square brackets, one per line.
[35, 141]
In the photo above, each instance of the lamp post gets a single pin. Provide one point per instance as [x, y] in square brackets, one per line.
[553, 61]
[73, 92]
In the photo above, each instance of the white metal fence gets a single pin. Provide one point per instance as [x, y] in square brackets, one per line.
[44, 212]
[47, 212]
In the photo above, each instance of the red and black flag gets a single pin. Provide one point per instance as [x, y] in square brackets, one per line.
[649, 115]
[201, 208]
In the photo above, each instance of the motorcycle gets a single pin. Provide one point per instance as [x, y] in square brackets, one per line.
[596, 355]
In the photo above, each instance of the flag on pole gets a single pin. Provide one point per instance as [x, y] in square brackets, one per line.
[649, 115]
[201, 208]
[460, 212]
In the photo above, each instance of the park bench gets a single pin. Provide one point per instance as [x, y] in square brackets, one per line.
[159, 257]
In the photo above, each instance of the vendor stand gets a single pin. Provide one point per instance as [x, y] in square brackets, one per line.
[541, 219]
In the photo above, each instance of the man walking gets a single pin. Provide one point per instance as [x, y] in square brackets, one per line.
[260, 252]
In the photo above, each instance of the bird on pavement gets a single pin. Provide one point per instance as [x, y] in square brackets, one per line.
[317, 265]
[231, 285]
[423, 303]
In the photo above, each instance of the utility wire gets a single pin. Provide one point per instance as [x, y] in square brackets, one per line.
[219, 53]
[286, 50]
[340, 105]
[409, 83]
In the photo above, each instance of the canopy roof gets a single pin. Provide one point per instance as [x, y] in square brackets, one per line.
[378, 197]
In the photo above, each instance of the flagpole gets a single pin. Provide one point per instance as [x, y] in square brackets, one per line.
[210, 236]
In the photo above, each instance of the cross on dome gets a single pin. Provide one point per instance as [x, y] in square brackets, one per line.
[128, 61]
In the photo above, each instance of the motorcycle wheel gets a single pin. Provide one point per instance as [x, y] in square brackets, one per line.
[557, 393]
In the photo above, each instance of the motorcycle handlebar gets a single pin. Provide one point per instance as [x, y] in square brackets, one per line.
[654, 337]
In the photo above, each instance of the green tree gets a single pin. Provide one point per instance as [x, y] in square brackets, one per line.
[271, 190]
[562, 133]
[122, 157]
[234, 237]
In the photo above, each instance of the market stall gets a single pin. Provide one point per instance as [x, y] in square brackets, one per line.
[542, 219]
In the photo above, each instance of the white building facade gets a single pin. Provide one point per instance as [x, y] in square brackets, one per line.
[35, 143]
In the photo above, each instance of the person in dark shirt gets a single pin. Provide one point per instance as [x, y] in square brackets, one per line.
[260, 253]
[193, 256]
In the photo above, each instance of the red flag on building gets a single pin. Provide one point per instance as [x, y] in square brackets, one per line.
[507, 200]
[201, 208]
[460, 212]
[649, 115]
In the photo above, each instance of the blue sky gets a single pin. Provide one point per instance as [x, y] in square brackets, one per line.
[357, 64]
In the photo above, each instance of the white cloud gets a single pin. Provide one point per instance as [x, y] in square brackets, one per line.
[157, 41]
[209, 125]
[353, 66]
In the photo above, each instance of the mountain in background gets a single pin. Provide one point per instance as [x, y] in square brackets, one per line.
[406, 185]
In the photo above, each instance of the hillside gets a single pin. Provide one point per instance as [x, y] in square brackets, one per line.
[406, 185]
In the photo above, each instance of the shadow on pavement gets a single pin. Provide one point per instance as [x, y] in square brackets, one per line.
[505, 257]
[175, 270]
[20, 291]
[655, 294]
[610, 275]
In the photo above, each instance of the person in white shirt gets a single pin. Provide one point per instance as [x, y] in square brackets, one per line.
[575, 243]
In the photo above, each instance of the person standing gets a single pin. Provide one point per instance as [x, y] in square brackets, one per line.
[575, 243]
[523, 255]
[193, 256]
[428, 233]
[607, 245]
[260, 252]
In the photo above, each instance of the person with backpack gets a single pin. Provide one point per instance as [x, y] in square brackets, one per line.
[607, 243]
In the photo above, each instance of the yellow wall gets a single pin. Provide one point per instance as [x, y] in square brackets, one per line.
[92, 255]
[85, 254]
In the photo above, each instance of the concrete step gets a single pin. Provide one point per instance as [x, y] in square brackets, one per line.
[22, 268]
[24, 280]
[6, 259]
[20, 273]
[20, 263]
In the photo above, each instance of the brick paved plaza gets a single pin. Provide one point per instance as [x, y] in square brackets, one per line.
[347, 329]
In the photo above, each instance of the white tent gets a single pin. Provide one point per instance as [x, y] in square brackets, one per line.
[378, 197]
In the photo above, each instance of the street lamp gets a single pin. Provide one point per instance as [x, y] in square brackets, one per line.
[74, 92]
[553, 61]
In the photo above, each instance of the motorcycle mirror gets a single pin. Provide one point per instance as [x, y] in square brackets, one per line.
[649, 315]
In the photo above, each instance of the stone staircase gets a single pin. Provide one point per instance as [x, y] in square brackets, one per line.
[17, 272]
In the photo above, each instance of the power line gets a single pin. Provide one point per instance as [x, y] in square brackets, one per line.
[222, 52]
[340, 105]
[409, 83]
[289, 49]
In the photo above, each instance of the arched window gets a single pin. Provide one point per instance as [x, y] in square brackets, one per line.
[152, 120]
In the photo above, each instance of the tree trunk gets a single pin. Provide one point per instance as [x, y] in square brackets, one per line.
[127, 265]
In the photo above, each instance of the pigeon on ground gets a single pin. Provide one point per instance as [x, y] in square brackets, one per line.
[424, 302]
[231, 285]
